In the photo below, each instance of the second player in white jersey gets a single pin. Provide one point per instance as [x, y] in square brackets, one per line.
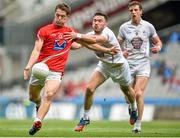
[137, 39]
[137, 35]
[112, 66]
[111, 41]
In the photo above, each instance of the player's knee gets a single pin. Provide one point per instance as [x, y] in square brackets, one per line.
[48, 96]
[138, 95]
[90, 89]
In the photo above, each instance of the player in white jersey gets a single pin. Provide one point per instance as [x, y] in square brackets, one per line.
[137, 35]
[110, 66]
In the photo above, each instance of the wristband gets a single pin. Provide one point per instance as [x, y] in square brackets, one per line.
[26, 69]
[79, 35]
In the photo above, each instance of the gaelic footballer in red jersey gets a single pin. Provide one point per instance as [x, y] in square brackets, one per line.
[52, 49]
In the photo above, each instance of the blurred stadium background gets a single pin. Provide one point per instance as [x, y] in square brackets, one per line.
[19, 22]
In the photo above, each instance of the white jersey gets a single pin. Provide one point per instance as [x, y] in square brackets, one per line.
[112, 41]
[137, 39]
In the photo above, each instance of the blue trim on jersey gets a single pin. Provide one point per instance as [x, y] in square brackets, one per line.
[58, 46]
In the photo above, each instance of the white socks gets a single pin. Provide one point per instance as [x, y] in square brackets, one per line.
[133, 106]
[86, 114]
[138, 121]
[137, 124]
[37, 119]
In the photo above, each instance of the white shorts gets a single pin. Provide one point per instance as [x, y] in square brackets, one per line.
[52, 76]
[118, 73]
[140, 69]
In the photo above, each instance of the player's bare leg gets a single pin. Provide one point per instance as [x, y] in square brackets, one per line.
[50, 89]
[34, 95]
[130, 97]
[96, 79]
[139, 87]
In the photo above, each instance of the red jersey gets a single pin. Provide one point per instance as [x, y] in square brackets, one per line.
[54, 43]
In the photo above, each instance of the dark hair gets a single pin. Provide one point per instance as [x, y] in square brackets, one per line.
[99, 13]
[135, 3]
[65, 7]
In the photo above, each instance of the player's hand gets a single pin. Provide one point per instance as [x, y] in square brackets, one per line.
[125, 53]
[26, 73]
[155, 49]
[113, 50]
[69, 36]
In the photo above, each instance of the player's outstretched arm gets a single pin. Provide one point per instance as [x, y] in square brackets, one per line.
[99, 48]
[90, 39]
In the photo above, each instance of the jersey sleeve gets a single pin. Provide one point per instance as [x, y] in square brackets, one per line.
[152, 30]
[41, 34]
[121, 32]
[106, 33]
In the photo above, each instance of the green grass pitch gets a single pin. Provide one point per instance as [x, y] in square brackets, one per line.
[59, 128]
